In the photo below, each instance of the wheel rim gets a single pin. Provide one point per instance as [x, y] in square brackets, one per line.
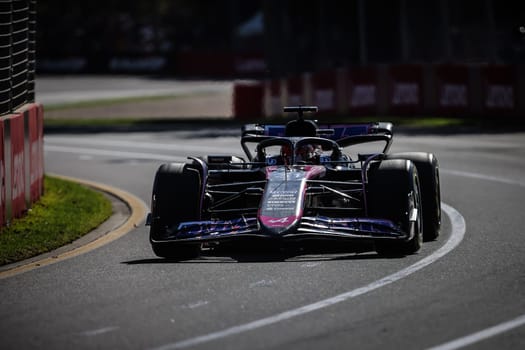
[419, 221]
[415, 204]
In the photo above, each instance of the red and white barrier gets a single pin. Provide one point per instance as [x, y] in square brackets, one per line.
[363, 91]
[274, 93]
[324, 91]
[499, 89]
[17, 184]
[3, 201]
[452, 89]
[21, 161]
[34, 126]
[405, 90]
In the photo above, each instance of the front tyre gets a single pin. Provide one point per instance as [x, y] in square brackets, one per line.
[394, 194]
[175, 199]
[428, 170]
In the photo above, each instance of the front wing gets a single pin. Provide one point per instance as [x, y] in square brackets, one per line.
[318, 227]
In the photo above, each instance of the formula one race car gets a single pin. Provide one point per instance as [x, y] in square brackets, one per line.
[298, 185]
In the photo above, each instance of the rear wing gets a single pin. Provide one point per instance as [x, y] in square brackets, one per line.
[334, 132]
[344, 134]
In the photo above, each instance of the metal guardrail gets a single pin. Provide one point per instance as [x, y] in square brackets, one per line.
[17, 54]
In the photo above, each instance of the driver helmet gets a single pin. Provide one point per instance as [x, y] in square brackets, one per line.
[308, 153]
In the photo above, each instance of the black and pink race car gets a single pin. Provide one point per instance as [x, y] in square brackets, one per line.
[301, 182]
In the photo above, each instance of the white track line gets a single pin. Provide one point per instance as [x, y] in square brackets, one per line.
[100, 331]
[482, 177]
[481, 335]
[458, 232]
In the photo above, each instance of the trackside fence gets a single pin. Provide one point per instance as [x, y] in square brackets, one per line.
[17, 53]
[446, 90]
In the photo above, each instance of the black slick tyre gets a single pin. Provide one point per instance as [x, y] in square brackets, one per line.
[428, 170]
[175, 199]
[394, 194]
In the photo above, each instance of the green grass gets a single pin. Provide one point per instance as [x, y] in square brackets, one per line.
[100, 122]
[65, 212]
[421, 121]
[137, 122]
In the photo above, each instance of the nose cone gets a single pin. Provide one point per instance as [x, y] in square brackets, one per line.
[278, 226]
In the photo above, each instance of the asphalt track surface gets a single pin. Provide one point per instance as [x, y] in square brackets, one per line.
[121, 296]
[465, 290]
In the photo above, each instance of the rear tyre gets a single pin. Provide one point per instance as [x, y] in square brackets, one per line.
[394, 194]
[175, 199]
[428, 170]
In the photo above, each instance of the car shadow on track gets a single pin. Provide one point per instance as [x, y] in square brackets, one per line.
[216, 256]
